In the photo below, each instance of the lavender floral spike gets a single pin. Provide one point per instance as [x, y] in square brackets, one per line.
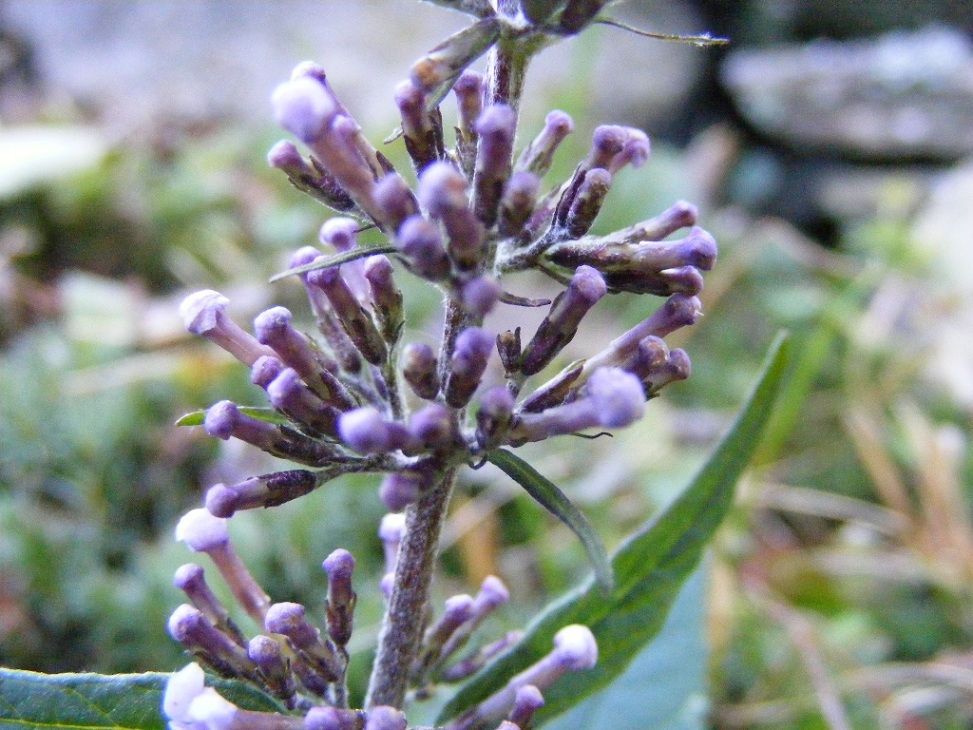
[191, 580]
[539, 154]
[470, 356]
[340, 606]
[496, 127]
[204, 533]
[204, 314]
[419, 370]
[560, 325]
[575, 649]
[189, 626]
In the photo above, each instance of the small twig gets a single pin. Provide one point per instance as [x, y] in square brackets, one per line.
[704, 39]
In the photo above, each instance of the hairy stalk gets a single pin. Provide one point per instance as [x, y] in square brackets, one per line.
[402, 627]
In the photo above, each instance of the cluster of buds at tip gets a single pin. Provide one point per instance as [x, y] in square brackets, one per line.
[348, 395]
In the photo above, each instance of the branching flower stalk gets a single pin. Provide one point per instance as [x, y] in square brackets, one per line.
[357, 399]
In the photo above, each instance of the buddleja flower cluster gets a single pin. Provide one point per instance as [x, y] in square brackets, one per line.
[353, 397]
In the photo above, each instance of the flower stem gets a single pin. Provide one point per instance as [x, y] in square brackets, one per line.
[402, 628]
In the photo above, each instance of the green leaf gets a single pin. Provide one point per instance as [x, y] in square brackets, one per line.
[34, 701]
[557, 503]
[664, 688]
[269, 415]
[354, 254]
[649, 569]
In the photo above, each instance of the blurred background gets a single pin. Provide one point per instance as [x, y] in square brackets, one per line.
[830, 149]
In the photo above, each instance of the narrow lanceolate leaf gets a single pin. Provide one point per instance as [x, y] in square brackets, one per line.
[197, 418]
[557, 503]
[34, 701]
[649, 569]
[328, 262]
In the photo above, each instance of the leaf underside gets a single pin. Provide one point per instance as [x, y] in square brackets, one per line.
[648, 570]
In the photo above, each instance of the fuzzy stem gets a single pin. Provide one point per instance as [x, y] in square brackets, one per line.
[506, 69]
[402, 627]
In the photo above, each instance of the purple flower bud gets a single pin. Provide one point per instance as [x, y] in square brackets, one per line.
[418, 128]
[606, 142]
[291, 396]
[617, 395]
[434, 426]
[386, 296]
[587, 203]
[188, 704]
[391, 530]
[284, 156]
[273, 328]
[395, 200]
[517, 203]
[469, 100]
[341, 233]
[265, 368]
[634, 152]
[683, 280]
[354, 319]
[189, 627]
[191, 579]
[443, 192]
[496, 127]
[267, 490]
[311, 70]
[527, 702]
[560, 325]
[473, 663]
[678, 311]
[680, 215]
[496, 410]
[203, 532]
[204, 313]
[575, 649]
[274, 670]
[332, 718]
[419, 370]
[420, 241]
[385, 718]
[539, 154]
[289, 619]
[400, 489]
[340, 606]
[456, 611]
[480, 294]
[304, 108]
[366, 431]
[493, 594]
[224, 420]
[469, 361]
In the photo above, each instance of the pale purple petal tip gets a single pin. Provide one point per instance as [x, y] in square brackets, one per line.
[201, 531]
[303, 107]
[618, 397]
[576, 647]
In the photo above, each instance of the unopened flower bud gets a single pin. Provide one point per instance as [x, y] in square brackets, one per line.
[496, 410]
[538, 155]
[419, 370]
[587, 203]
[469, 361]
[527, 702]
[443, 192]
[480, 294]
[496, 127]
[204, 314]
[267, 490]
[434, 427]
[560, 325]
[288, 619]
[189, 627]
[291, 396]
[418, 130]
[400, 489]
[191, 579]
[517, 203]
[225, 420]
[385, 718]
[354, 319]
[304, 108]
[493, 594]
[273, 328]
[274, 670]
[340, 606]
[366, 431]
[203, 532]
[333, 718]
[386, 296]
[421, 243]
[395, 199]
